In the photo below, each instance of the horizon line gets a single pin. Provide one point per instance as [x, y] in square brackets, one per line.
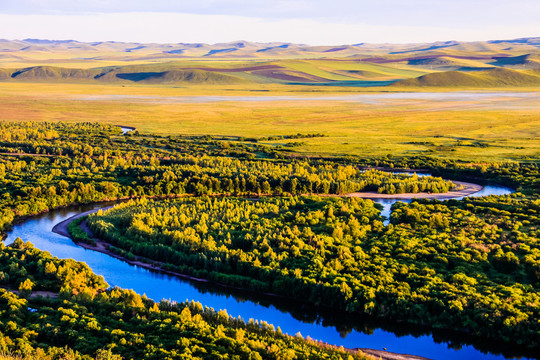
[29, 39]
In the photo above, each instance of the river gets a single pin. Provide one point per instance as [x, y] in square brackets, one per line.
[289, 316]
[505, 97]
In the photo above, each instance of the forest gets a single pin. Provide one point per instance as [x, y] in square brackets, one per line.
[46, 166]
[86, 320]
[449, 265]
[255, 217]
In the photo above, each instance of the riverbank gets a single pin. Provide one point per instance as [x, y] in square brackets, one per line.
[290, 317]
[61, 228]
[103, 247]
[466, 189]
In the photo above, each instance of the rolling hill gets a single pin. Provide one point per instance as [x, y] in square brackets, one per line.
[527, 61]
[448, 63]
[170, 76]
[497, 77]
[71, 50]
[279, 72]
[441, 64]
[49, 73]
[5, 74]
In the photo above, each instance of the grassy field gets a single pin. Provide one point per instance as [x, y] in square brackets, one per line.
[492, 129]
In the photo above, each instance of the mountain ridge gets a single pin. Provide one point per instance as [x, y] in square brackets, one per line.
[256, 49]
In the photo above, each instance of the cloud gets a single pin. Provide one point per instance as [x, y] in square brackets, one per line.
[257, 8]
[391, 12]
[311, 21]
[180, 27]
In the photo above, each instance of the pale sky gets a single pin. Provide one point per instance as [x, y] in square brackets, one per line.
[314, 22]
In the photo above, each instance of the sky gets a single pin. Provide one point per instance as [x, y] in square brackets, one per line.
[315, 22]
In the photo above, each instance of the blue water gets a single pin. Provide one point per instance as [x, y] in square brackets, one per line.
[161, 286]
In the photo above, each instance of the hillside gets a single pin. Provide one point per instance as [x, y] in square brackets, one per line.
[5, 74]
[279, 72]
[171, 76]
[480, 79]
[305, 72]
[447, 63]
[441, 64]
[44, 73]
[528, 61]
[74, 51]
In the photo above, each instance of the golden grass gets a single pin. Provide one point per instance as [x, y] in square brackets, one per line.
[496, 130]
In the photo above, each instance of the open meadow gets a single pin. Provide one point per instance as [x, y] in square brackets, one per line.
[493, 125]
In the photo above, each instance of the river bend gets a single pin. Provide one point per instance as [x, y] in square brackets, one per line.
[289, 316]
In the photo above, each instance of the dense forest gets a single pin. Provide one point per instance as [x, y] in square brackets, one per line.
[82, 319]
[449, 264]
[45, 166]
[471, 265]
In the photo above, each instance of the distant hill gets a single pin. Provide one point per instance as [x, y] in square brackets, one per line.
[441, 64]
[448, 63]
[326, 72]
[44, 73]
[57, 74]
[287, 73]
[497, 77]
[177, 76]
[528, 61]
[5, 74]
[70, 49]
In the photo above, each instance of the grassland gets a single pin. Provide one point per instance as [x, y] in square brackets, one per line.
[282, 71]
[496, 128]
[496, 119]
[471, 65]
[148, 86]
[491, 78]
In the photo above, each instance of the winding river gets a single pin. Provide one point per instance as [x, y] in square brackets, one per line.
[289, 316]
